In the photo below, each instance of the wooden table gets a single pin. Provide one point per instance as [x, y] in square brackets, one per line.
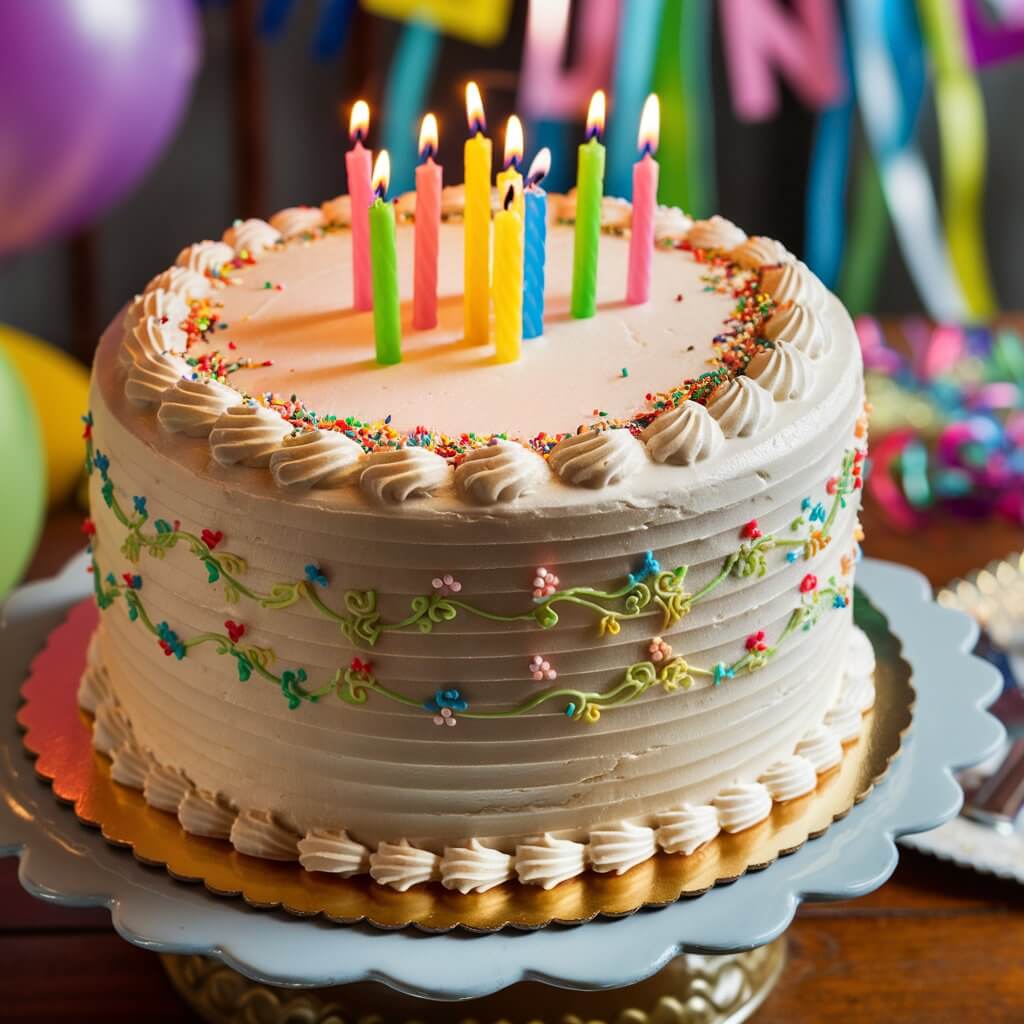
[936, 943]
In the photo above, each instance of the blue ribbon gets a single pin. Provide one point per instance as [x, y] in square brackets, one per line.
[332, 27]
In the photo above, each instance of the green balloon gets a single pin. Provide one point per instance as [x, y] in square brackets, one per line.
[22, 476]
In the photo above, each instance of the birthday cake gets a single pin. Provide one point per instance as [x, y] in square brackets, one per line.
[466, 621]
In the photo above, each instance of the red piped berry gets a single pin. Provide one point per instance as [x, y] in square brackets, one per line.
[165, 647]
[177, 525]
[88, 528]
[235, 630]
[211, 538]
[808, 583]
[858, 482]
[831, 485]
[755, 642]
[358, 665]
[752, 530]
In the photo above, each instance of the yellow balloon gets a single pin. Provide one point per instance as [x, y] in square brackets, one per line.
[59, 389]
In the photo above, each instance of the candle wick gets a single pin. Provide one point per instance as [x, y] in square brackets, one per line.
[510, 196]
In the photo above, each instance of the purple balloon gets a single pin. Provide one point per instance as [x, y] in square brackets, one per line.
[90, 93]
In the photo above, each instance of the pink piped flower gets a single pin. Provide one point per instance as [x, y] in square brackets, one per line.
[831, 485]
[756, 641]
[545, 583]
[446, 585]
[445, 717]
[659, 650]
[540, 668]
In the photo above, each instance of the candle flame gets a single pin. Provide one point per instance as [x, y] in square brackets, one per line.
[595, 115]
[513, 143]
[381, 174]
[359, 121]
[510, 195]
[650, 125]
[540, 167]
[475, 109]
[428, 137]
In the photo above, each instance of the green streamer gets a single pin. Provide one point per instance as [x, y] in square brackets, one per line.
[867, 241]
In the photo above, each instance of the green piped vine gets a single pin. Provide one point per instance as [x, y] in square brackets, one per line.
[650, 590]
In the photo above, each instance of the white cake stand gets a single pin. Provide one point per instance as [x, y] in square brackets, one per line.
[67, 864]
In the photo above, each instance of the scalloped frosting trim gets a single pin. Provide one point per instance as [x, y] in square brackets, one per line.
[476, 866]
[776, 298]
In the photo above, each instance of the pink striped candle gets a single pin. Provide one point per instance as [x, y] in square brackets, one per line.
[428, 225]
[645, 204]
[357, 166]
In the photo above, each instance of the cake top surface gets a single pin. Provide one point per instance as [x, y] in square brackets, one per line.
[246, 360]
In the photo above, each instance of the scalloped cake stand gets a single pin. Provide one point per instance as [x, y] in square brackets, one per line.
[713, 958]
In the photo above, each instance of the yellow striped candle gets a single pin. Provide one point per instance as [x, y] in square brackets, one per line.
[476, 286]
[508, 280]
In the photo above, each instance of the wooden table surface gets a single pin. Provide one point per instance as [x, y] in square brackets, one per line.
[936, 943]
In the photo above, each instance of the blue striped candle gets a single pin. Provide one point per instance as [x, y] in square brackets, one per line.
[535, 246]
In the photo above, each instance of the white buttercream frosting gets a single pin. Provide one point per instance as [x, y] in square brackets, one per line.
[402, 866]
[333, 851]
[192, 407]
[794, 282]
[844, 719]
[150, 337]
[799, 326]
[616, 213]
[165, 788]
[157, 303]
[783, 371]
[205, 257]
[251, 236]
[688, 828]
[715, 233]
[742, 407]
[597, 457]
[94, 686]
[398, 475]
[261, 834]
[860, 655]
[475, 867]
[202, 813]
[742, 805]
[189, 284]
[111, 729]
[151, 375]
[618, 848]
[297, 220]
[337, 211]
[129, 766]
[314, 458]
[247, 434]
[501, 472]
[547, 861]
[758, 251]
[789, 778]
[683, 435]
[671, 224]
[821, 746]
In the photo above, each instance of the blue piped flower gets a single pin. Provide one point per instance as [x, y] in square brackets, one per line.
[446, 699]
[839, 601]
[314, 575]
[721, 671]
[805, 504]
[817, 513]
[169, 641]
[648, 567]
[792, 556]
[570, 709]
[140, 505]
[102, 463]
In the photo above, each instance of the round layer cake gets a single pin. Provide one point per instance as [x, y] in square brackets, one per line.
[465, 621]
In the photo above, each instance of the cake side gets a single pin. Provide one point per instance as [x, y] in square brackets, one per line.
[666, 663]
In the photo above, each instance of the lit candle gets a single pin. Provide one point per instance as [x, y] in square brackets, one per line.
[534, 246]
[428, 224]
[645, 201]
[476, 226]
[387, 328]
[512, 173]
[508, 280]
[357, 166]
[589, 191]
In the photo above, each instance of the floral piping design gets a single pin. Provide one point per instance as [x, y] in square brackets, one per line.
[647, 590]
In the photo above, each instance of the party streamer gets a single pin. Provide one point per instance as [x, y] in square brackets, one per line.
[412, 69]
[883, 48]
[274, 16]
[991, 40]
[332, 27]
[866, 243]
[962, 138]
[682, 80]
[637, 42]
[826, 180]
[762, 34]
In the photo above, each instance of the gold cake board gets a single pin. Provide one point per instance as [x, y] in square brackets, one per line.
[59, 735]
[692, 989]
